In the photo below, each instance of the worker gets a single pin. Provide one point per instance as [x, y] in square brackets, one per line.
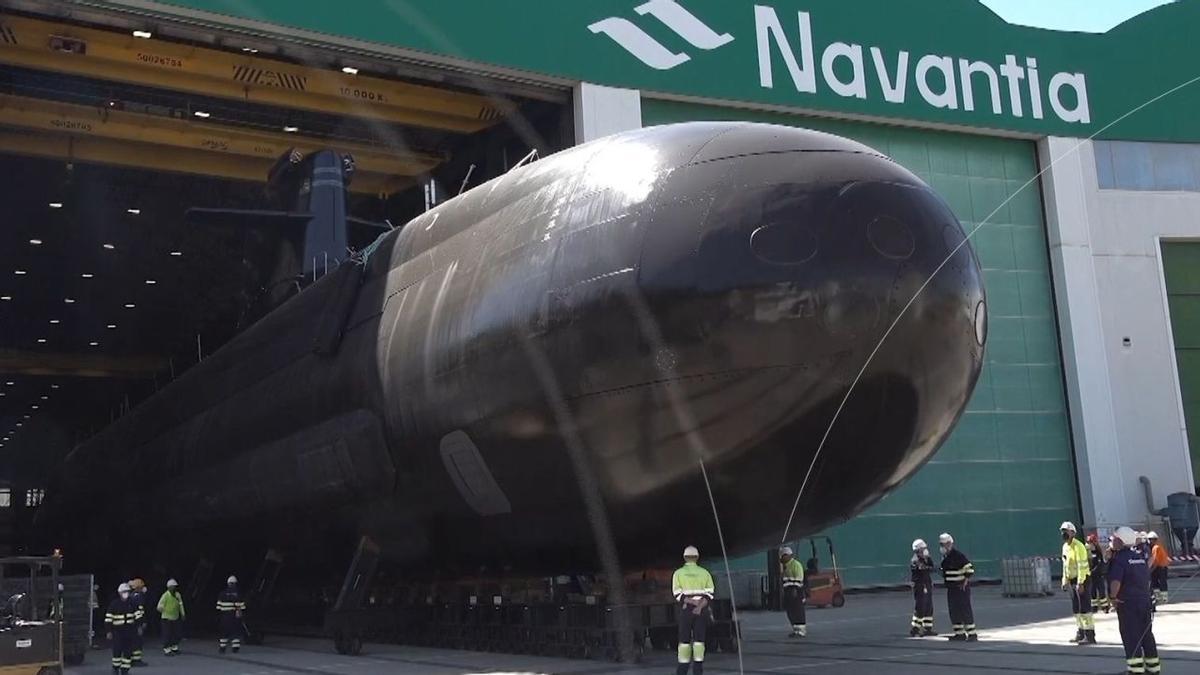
[693, 588]
[1129, 591]
[230, 608]
[1098, 568]
[792, 575]
[170, 608]
[121, 622]
[1160, 563]
[1075, 577]
[137, 595]
[957, 571]
[921, 567]
[97, 617]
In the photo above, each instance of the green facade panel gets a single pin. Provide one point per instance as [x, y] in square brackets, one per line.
[1005, 478]
[1181, 265]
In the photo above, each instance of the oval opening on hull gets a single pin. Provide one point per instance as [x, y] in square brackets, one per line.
[981, 322]
[784, 244]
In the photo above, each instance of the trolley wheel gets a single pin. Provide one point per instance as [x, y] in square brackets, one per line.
[660, 639]
[350, 645]
[839, 600]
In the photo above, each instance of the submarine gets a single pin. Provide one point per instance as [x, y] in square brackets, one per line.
[609, 344]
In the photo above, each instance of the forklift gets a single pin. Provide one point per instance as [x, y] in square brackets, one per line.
[823, 587]
[31, 626]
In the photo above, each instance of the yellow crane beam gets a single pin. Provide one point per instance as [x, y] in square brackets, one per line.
[98, 150]
[185, 133]
[110, 55]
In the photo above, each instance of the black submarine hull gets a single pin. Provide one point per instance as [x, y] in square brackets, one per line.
[565, 361]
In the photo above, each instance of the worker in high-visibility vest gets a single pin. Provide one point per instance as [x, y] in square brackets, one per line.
[1076, 578]
[693, 588]
[792, 575]
[1159, 564]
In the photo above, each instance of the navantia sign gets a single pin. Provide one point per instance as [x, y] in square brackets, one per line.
[1013, 87]
[948, 62]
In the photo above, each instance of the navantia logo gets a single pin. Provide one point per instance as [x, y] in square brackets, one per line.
[1014, 87]
[651, 52]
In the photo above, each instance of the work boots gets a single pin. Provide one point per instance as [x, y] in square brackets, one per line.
[929, 632]
[914, 632]
[1079, 637]
[1089, 637]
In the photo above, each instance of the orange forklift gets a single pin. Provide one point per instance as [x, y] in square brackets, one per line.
[824, 586]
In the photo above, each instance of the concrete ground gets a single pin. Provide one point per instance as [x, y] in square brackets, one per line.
[869, 636]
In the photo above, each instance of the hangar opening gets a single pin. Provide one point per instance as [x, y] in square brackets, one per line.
[114, 127]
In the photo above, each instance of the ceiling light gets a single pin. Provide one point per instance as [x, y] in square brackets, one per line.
[129, 305]
[20, 423]
[202, 115]
[41, 341]
[36, 242]
[56, 205]
[109, 247]
[111, 326]
[144, 34]
[251, 50]
[350, 70]
[5, 298]
[33, 407]
[45, 398]
[87, 275]
[93, 344]
[176, 253]
[54, 322]
[69, 301]
[150, 282]
[290, 129]
[134, 212]
[9, 384]
[54, 386]
[19, 272]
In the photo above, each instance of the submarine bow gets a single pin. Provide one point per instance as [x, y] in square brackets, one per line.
[574, 338]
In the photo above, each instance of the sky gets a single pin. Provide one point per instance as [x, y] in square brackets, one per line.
[1093, 16]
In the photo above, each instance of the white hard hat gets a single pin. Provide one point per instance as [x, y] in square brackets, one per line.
[786, 550]
[123, 588]
[689, 552]
[1125, 534]
[945, 538]
[1068, 526]
[1152, 535]
[231, 580]
[171, 583]
[919, 544]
